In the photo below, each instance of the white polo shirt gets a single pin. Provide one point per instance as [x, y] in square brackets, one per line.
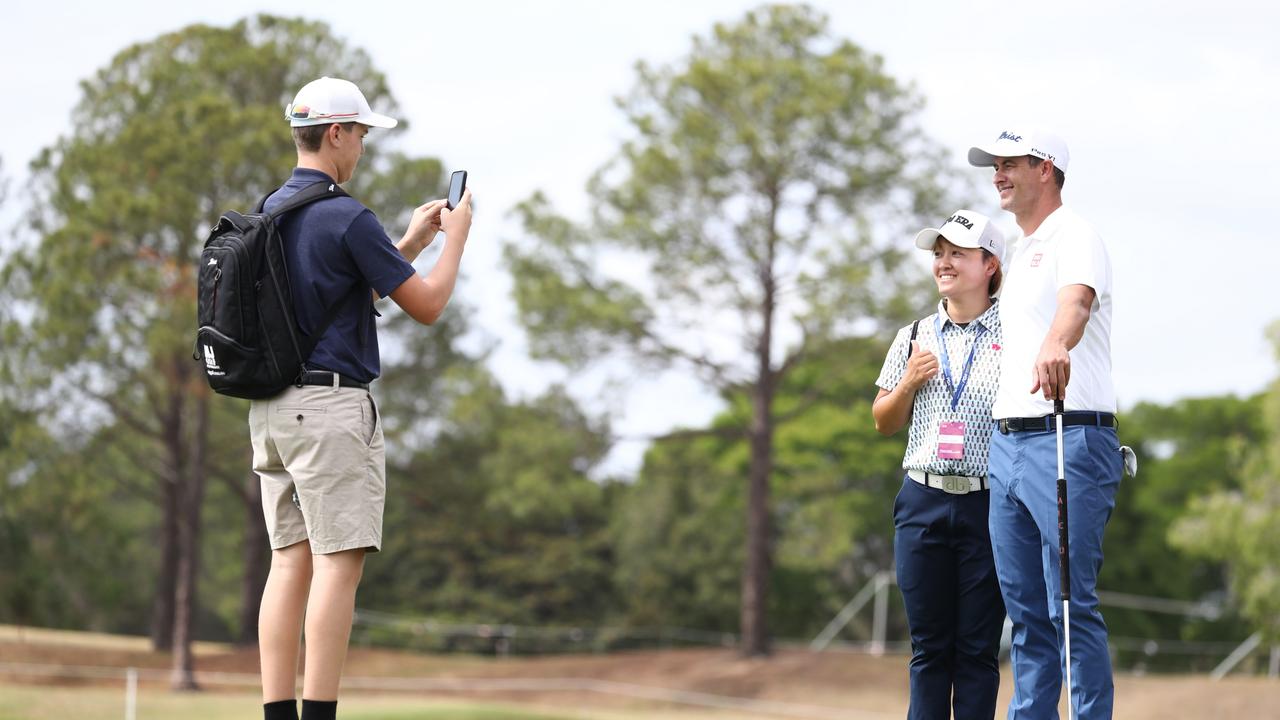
[1064, 250]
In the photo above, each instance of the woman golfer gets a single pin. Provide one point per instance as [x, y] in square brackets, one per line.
[940, 379]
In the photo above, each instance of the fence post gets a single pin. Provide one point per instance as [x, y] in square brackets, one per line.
[131, 694]
[880, 618]
[1240, 653]
[842, 618]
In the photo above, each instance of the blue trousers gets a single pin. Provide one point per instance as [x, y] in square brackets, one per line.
[1024, 533]
[948, 580]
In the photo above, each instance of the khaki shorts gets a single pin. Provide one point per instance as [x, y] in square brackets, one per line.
[320, 456]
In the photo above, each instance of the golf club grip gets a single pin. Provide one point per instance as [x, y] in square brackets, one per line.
[1064, 542]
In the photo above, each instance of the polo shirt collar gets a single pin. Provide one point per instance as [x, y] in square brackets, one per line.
[987, 319]
[310, 175]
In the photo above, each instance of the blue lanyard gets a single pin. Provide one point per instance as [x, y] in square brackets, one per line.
[956, 390]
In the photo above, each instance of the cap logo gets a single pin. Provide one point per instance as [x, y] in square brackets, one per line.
[301, 111]
[962, 220]
[1045, 155]
[1009, 136]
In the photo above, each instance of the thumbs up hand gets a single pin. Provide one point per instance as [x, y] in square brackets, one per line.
[921, 367]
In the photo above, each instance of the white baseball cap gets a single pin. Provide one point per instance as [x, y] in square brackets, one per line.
[330, 100]
[965, 228]
[1046, 146]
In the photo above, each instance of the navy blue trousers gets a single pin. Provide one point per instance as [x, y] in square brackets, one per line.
[947, 575]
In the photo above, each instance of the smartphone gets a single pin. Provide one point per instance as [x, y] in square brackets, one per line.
[457, 184]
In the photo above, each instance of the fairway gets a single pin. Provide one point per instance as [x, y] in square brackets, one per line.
[45, 675]
[99, 703]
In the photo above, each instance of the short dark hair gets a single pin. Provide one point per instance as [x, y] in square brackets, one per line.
[993, 285]
[1059, 177]
[308, 137]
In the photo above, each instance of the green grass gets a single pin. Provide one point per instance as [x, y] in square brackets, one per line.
[21, 702]
[455, 712]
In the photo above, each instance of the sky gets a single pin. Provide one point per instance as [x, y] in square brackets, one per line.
[1169, 109]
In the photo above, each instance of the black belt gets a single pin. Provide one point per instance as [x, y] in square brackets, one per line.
[324, 377]
[1046, 423]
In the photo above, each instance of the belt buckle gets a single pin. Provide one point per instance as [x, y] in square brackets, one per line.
[954, 484]
[1004, 426]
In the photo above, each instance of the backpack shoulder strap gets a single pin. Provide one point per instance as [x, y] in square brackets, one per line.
[914, 327]
[305, 196]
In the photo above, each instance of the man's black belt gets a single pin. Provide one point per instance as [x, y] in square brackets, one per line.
[1047, 423]
[324, 377]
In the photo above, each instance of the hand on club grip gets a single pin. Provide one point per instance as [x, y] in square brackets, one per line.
[1052, 372]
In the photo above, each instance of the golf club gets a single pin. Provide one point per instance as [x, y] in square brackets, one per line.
[1064, 557]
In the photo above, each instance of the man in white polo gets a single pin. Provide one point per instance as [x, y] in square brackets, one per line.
[1055, 310]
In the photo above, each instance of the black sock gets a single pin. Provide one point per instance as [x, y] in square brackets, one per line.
[319, 709]
[280, 710]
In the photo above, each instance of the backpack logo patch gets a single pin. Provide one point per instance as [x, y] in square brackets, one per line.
[211, 362]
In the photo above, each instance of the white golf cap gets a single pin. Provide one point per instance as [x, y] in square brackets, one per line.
[330, 100]
[965, 228]
[1046, 146]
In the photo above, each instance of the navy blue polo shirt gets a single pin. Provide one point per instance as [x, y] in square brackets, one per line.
[337, 252]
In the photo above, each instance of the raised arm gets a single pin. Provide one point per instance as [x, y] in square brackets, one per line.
[425, 298]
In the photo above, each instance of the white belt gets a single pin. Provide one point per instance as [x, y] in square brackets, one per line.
[954, 484]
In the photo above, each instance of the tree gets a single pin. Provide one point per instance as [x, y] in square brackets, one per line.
[496, 519]
[678, 533]
[678, 529]
[172, 132]
[1238, 526]
[1186, 448]
[57, 538]
[747, 217]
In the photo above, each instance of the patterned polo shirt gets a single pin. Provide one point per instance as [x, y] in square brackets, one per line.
[933, 400]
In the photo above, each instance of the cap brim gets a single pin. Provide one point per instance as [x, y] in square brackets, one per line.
[981, 158]
[376, 120]
[927, 238]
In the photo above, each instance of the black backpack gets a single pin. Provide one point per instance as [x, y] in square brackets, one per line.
[248, 332]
